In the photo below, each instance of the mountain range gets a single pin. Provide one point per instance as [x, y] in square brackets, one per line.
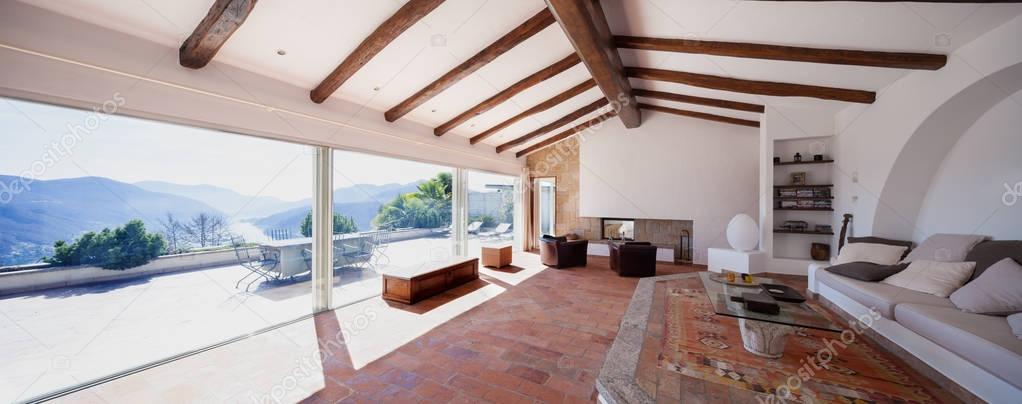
[63, 209]
[361, 202]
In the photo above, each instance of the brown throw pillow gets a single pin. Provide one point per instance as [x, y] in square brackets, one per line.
[866, 271]
[990, 252]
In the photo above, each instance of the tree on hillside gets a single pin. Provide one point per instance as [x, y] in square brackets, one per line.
[124, 247]
[342, 224]
[429, 206]
[175, 233]
[207, 230]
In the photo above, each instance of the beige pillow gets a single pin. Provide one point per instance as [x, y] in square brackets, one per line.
[932, 277]
[880, 254]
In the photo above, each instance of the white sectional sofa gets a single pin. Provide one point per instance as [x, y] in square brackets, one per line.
[978, 352]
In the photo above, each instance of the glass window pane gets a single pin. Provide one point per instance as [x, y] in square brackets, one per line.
[492, 208]
[389, 213]
[175, 238]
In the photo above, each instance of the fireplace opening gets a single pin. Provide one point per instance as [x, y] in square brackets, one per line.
[617, 229]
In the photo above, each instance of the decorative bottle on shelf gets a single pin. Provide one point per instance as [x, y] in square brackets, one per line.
[798, 157]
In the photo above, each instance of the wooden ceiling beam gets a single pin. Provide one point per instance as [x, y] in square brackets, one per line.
[507, 93]
[566, 134]
[531, 27]
[543, 106]
[898, 60]
[752, 86]
[585, 24]
[404, 18]
[691, 99]
[224, 17]
[554, 125]
[906, 1]
[700, 115]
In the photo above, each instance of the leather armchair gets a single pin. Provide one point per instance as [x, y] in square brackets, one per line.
[637, 259]
[558, 252]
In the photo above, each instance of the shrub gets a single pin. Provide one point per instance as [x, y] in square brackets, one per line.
[342, 224]
[428, 207]
[124, 247]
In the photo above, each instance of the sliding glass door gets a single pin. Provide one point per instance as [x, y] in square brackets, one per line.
[388, 213]
[546, 198]
[167, 239]
[493, 211]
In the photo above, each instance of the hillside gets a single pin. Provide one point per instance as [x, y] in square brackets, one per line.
[361, 202]
[230, 202]
[63, 209]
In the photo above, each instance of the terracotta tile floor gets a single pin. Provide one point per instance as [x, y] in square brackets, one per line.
[523, 334]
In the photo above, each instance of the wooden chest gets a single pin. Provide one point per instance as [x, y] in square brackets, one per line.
[410, 285]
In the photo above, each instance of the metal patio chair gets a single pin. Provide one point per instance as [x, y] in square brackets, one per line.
[358, 252]
[264, 264]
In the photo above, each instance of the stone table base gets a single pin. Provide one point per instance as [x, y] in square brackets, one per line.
[764, 339]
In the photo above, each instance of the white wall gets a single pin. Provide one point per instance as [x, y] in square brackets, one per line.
[672, 167]
[887, 152]
[968, 188]
[52, 58]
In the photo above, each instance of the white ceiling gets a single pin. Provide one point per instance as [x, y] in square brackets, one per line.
[318, 34]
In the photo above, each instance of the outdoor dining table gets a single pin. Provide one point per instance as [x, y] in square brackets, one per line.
[290, 251]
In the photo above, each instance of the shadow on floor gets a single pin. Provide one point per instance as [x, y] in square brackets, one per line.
[427, 305]
[510, 269]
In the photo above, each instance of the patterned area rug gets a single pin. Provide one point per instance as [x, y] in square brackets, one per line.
[817, 366]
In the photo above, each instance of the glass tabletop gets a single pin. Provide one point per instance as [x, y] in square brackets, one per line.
[793, 314]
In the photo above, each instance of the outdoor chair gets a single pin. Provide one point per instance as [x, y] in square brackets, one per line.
[473, 227]
[263, 265]
[356, 253]
[501, 229]
[379, 241]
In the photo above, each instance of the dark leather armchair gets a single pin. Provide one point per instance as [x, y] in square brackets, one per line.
[633, 259]
[558, 252]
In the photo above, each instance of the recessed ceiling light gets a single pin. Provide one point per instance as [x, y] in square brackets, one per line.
[281, 52]
[433, 110]
[376, 88]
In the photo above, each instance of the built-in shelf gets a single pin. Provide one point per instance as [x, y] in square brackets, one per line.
[792, 163]
[808, 209]
[803, 186]
[803, 198]
[812, 233]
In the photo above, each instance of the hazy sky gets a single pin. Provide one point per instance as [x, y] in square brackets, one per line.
[132, 150]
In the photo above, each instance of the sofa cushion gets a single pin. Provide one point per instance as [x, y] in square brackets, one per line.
[998, 292]
[990, 252]
[945, 247]
[881, 297]
[986, 341]
[866, 252]
[866, 271]
[881, 240]
[937, 278]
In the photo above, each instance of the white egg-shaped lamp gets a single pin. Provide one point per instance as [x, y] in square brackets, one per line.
[742, 233]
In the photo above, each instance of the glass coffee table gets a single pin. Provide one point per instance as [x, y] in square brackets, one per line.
[762, 334]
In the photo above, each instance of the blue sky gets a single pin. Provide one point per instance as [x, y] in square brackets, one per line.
[132, 150]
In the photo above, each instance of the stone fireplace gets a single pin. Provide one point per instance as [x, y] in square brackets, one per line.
[661, 232]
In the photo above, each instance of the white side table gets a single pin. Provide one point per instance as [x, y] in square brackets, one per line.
[747, 262]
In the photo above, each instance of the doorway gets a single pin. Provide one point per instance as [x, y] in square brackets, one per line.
[546, 206]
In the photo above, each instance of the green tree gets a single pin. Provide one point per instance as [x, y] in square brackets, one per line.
[342, 224]
[124, 247]
[429, 206]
